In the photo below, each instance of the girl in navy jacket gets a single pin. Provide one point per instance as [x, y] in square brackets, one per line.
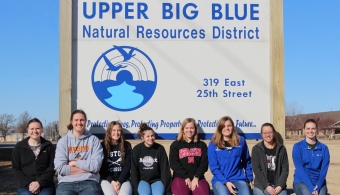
[311, 159]
[229, 160]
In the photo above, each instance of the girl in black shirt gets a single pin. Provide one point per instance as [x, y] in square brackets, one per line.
[150, 172]
[115, 170]
[270, 164]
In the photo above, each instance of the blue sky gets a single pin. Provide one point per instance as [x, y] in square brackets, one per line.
[29, 57]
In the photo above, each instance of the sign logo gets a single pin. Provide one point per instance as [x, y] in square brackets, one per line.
[124, 78]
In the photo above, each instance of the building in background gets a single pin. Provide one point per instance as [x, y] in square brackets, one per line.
[328, 122]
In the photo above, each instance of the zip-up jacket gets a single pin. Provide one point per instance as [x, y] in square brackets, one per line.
[311, 166]
[260, 167]
[188, 159]
[230, 165]
[86, 150]
[28, 169]
[111, 168]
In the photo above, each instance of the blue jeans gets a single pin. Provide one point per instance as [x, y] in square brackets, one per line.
[156, 188]
[257, 191]
[79, 188]
[241, 186]
[302, 189]
[43, 191]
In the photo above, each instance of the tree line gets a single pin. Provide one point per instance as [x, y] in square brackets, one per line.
[10, 125]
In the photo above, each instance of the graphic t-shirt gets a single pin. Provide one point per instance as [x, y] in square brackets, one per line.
[112, 167]
[271, 164]
[188, 159]
[113, 161]
[149, 162]
[227, 146]
[36, 150]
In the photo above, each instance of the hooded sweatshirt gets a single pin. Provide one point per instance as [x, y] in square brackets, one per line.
[311, 166]
[231, 165]
[188, 159]
[27, 168]
[86, 150]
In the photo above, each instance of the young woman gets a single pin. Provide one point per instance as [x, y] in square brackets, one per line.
[311, 159]
[270, 164]
[150, 172]
[229, 160]
[189, 161]
[78, 158]
[115, 170]
[32, 162]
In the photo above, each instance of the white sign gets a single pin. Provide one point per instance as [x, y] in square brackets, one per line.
[160, 62]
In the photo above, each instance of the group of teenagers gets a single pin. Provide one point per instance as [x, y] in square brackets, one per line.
[84, 165]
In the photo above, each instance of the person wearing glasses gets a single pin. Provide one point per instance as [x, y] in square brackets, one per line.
[270, 164]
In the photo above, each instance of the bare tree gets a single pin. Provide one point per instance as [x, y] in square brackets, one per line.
[50, 130]
[326, 124]
[292, 119]
[22, 122]
[6, 125]
[293, 109]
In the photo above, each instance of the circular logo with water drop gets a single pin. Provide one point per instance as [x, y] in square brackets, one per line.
[124, 78]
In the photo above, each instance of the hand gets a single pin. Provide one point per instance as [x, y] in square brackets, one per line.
[271, 190]
[188, 183]
[194, 183]
[278, 189]
[72, 163]
[116, 186]
[34, 187]
[231, 187]
[251, 184]
[315, 192]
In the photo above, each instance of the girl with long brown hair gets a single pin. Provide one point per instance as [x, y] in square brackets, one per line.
[229, 160]
[115, 170]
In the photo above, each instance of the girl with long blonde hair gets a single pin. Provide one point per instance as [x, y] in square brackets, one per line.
[189, 161]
